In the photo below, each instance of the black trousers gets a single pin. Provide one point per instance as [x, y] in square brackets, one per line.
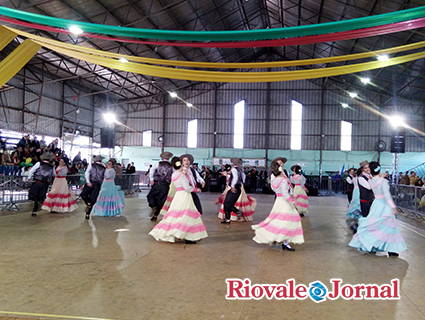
[90, 194]
[365, 207]
[349, 195]
[37, 193]
[197, 202]
[158, 195]
[230, 201]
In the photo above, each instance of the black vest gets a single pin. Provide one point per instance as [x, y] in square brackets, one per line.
[240, 178]
[163, 172]
[365, 194]
[44, 173]
[97, 173]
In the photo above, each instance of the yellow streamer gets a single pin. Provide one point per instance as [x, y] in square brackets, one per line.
[5, 37]
[17, 59]
[193, 64]
[215, 76]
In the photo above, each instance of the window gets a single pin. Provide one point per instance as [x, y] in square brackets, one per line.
[147, 138]
[192, 133]
[296, 119]
[238, 124]
[346, 130]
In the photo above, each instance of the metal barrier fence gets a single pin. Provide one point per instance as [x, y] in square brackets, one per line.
[14, 189]
[409, 198]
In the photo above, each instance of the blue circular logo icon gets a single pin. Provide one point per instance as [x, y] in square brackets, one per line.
[317, 291]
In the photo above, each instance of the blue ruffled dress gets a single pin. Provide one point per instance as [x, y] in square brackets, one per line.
[110, 201]
[379, 231]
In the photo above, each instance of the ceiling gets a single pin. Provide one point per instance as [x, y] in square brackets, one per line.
[406, 80]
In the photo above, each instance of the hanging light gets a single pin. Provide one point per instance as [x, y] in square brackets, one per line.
[365, 80]
[75, 30]
[173, 95]
[353, 94]
[109, 117]
[123, 60]
[383, 57]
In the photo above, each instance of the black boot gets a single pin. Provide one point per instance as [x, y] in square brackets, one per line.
[286, 246]
[189, 242]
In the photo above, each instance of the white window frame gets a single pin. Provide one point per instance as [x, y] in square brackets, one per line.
[192, 133]
[296, 124]
[238, 125]
[346, 135]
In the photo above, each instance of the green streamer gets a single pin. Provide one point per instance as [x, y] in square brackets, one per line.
[260, 34]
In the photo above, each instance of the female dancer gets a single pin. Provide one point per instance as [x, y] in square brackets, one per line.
[300, 191]
[60, 199]
[379, 231]
[354, 210]
[182, 220]
[245, 205]
[110, 202]
[283, 224]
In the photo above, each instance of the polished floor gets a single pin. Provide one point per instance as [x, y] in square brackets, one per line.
[60, 266]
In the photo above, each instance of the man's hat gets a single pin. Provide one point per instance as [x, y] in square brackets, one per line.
[363, 163]
[237, 161]
[97, 158]
[189, 156]
[166, 155]
[46, 156]
[284, 160]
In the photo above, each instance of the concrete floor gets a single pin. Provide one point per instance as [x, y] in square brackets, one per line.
[60, 266]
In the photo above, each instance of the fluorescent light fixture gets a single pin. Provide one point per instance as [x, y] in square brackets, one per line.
[189, 104]
[383, 57]
[396, 121]
[353, 94]
[173, 95]
[75, 30]
[109, 117]
[344, 105]
[365, 80]
[123, 60]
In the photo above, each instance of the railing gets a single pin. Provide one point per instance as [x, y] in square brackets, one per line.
[409, 198]
[14, 189]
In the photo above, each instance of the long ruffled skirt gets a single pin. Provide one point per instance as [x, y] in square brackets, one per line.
[354, 210]
[301, 199]
[110, 201]
[379, 231]
[181, 222]
[245, 204]
[283, 223]
[60, 199]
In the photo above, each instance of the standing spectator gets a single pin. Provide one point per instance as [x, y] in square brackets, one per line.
[253, 174]
[413, 178]
[3, 144]
[25, 141]
[35, 144]
[77, 158]
[262, 177]
[132, 169]
[405, 179]
[8, 163]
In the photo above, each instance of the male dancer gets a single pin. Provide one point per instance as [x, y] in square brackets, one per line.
[43, 172]
[161, 178]
[235, 183]
[94, 177]
[366, 193]
[350, 184]
[194, 178]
